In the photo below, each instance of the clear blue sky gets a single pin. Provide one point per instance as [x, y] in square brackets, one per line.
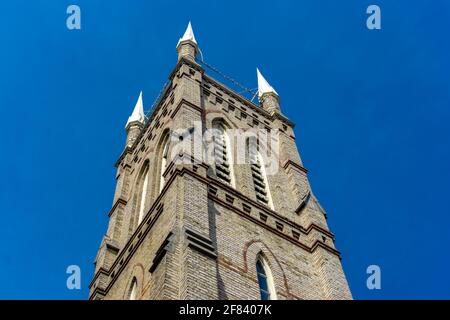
[372, 113]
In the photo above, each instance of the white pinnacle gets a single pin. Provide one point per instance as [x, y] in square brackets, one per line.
[138, 112]
[263, 85]
[188, 35]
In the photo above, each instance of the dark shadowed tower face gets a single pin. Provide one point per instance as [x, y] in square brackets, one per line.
[212, 200]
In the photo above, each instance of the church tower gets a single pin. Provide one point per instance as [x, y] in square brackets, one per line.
[212, 200]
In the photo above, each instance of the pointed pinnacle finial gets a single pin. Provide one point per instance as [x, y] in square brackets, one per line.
[188, 35]
[263, 85]
[138, 112]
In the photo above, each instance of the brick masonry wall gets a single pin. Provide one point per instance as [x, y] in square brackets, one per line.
[198, 244]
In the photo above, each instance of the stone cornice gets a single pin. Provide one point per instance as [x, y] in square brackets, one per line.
[283, 118]
[97, 291]
[185, 102]
[294, 164]
[182, 61]
[100, 271]
[125, 151]
[116, 204]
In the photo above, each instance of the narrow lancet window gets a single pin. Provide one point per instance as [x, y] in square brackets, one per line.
[265, 280]
[144, 189]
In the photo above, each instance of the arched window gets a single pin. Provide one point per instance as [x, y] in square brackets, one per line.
[133, 290]
[265, 280]
[259, 175]
[164, 158]
[144, 189]
[222, 154]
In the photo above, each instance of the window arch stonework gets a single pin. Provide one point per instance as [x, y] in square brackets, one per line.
[265, 278]
[136, 277]
[255, 249]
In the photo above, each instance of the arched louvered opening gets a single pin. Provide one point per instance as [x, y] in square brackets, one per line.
[222, 154]
[259, 175]
[265, 280]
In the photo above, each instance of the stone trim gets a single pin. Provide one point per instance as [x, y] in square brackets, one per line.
[295, 165]
[100, 271]
[304, 202]
[182, 61]
[125, 151]
[184, 102]
[165, 246]
[200, 243]
[116, 204]
[283, 119]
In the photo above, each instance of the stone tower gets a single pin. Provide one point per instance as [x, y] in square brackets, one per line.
[213, 202]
